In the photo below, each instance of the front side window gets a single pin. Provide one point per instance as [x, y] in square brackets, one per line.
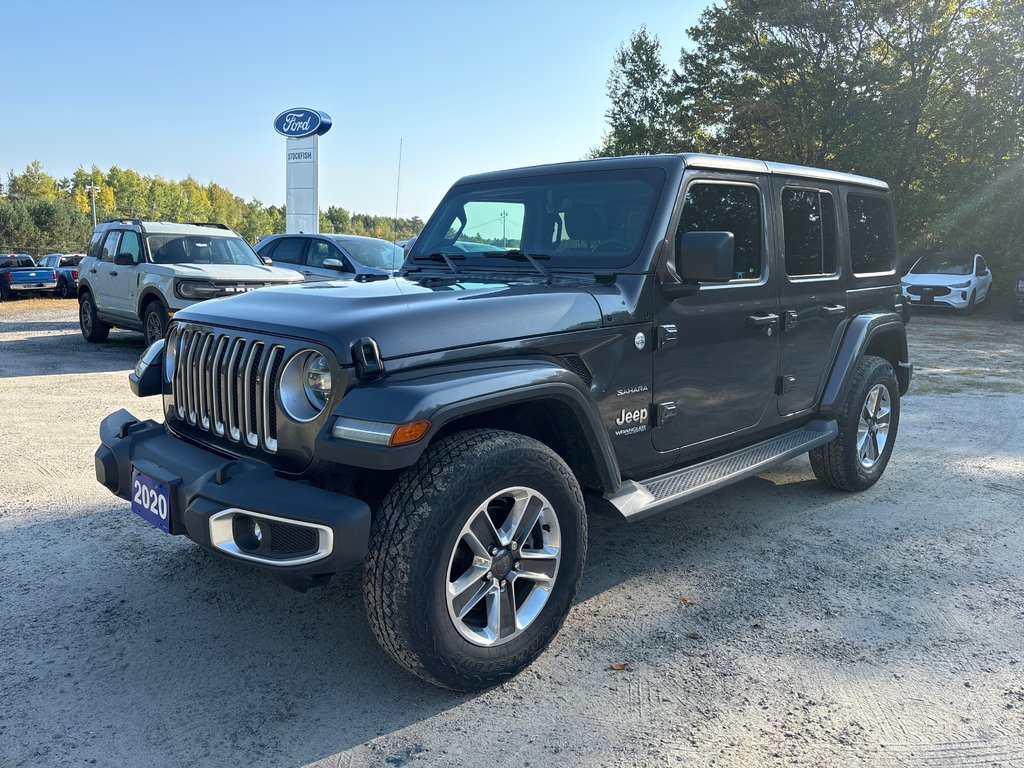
[110, 246]
[200, 249]
[871, 234]
[319, 251]
[379, 254]
[582, 220]
[809, 232]
[131, 245]
[736, 208]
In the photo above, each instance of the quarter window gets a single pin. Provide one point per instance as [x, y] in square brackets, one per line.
[871, 235]
[809, 232]
[732, 208]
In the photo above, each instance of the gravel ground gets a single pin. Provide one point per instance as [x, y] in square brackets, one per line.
[773, 623]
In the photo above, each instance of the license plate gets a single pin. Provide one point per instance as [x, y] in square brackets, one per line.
[928, 299]
[151, 500]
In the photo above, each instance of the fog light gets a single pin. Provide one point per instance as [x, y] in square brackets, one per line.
[257, 532]
[963, 295]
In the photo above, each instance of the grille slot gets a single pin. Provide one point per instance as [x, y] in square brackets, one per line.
[227, 385]
[575, 364]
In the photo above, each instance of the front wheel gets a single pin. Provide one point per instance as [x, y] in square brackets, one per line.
[154, 322]
[475, 558]
[868, 423]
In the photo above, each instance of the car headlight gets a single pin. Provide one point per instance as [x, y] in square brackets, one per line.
[1020, 285]
[306, 385]
[961, 285]
[316, 378]
[194, 290]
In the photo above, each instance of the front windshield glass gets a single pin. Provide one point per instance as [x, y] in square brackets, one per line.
[943, 264]
[378, 254]
[200, 249]
[588, 219]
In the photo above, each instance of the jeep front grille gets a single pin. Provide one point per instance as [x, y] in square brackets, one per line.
[226, 385]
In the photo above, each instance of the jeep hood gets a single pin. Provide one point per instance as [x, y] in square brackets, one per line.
[405, 317]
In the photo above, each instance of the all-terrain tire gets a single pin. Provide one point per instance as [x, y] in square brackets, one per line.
[93, 329]
[154, 321]
[416, 535]
[65, 289]
[841, 463]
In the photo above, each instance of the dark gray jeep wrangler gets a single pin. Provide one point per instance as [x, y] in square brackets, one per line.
[634, 331]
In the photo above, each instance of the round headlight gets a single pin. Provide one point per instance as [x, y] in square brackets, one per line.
[305, 385]
[316, 378]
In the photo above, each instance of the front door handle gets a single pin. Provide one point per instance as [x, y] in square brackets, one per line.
[113, 274]
[833, 310]
[92, 271]
[762, 320]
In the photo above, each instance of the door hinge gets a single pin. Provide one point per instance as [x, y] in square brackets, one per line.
[664, 413]
[784, 384]
[668, 335]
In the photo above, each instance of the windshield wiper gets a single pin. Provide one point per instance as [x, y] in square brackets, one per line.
[442, 257]
[516, 255]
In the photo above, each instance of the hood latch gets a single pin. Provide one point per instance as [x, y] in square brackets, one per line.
[366, 355]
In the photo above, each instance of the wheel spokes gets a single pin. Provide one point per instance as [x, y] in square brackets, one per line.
[521, 520]
[501, 613]
[539, 565]
[468, 590]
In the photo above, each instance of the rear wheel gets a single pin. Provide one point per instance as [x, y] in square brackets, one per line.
[5, 290]
[93, 329]
[475, 558]
[64, 289]
[868, 423]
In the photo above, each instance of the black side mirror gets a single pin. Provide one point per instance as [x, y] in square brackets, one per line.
[705, 257]
[124, 260]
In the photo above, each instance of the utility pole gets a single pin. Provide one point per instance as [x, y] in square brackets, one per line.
[504, 215]
[93, 189]
[398, 188]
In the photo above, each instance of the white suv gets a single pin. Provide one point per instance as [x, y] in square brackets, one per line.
[139, 273]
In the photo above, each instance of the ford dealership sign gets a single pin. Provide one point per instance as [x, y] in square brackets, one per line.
[296, 123]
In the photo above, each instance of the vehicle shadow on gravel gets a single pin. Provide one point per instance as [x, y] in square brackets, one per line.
[65, 353]
[136, 633]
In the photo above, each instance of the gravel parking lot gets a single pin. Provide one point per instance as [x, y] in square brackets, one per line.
[774, 623]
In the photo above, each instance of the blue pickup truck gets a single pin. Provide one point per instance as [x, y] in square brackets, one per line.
[18, 272]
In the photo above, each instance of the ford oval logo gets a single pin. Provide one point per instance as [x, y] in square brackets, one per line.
[299, 122]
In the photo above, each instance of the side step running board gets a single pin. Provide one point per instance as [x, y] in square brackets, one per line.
[637, 500]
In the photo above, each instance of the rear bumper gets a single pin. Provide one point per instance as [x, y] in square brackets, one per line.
[207, 490]
[46, 286]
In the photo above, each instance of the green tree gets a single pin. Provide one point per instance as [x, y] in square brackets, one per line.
[641, 114]
[32, 184]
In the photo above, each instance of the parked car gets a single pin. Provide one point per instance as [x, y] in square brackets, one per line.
[641, 342]
[139, 273]
[332, 257]
[66, 265]
[956, 280]
[19, 273]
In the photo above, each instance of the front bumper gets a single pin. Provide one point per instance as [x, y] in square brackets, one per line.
[206, 488]
[957, 298]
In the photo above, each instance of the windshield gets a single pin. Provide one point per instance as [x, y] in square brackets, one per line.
[943, 264]
[379, 254]
[200, 249]
[590, 219]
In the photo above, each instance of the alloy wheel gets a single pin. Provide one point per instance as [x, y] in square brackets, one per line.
[873, 428]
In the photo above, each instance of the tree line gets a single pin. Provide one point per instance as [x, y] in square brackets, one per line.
[42, 214]
[927, 95]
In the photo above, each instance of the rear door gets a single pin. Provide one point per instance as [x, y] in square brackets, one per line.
[812, 289]
[718, 350]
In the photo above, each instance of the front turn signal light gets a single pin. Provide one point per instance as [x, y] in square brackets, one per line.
[405, 434]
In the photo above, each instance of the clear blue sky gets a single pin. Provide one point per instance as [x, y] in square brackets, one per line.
[184, 88]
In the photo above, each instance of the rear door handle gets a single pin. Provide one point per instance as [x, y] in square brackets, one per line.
[833, 310]
[113, 274]
[762, 320]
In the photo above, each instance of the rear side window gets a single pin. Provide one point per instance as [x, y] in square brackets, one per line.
[809, 232]
[289, 250]
[110, 246]
[732, 208]
[871, 235]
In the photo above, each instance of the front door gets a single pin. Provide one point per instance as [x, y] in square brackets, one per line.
[123, 283]
[319, 251]
[813, 294]
[720, 370]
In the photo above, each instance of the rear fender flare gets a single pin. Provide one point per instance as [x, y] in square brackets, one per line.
[860, 332]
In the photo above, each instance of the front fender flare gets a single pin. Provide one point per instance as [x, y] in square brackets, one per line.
[443, 396]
